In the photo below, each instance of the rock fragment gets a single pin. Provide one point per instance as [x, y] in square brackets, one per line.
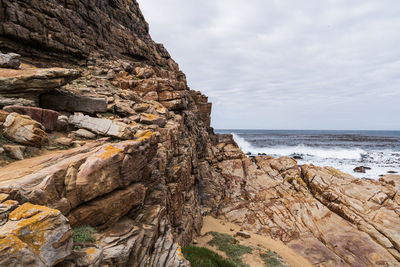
[10, 60]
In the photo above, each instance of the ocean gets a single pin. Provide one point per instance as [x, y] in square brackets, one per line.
[343, 150]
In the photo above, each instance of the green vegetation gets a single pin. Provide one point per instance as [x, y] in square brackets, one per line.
[233, 250]
[4, 140]
[84, 234]
[271, 259]
[203, 257]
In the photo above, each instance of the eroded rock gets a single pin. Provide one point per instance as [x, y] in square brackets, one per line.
[43, 233]
[22, 129]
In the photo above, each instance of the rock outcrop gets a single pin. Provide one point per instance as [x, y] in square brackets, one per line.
[120, 143]
[329, 217]
[34, 236]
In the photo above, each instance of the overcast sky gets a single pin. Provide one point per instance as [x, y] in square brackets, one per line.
[280, 64]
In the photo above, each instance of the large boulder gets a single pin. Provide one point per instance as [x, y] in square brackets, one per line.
[101, 126]
[38, 233]
[48, 118]
[72, 102]
[22, 129]
[10, 60]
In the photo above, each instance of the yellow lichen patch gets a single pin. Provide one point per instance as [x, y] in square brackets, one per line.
[109, 151]
[179, 252]
[33, 224]
[12, 242]
[144, 135]
[27, 66]
[90, 252]
[3, 197]
[300, 180]
[149, 116]
[28, 210]
[176, 168]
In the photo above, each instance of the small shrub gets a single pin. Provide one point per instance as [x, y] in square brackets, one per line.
[84, 234]
[203, 257]
[233, 250]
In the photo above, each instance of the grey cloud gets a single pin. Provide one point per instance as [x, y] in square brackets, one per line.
[272, 64]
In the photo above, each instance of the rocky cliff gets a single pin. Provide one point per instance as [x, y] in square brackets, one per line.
[99, 128]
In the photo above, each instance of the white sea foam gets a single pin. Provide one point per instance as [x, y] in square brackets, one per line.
[331, 153]
[380, 161]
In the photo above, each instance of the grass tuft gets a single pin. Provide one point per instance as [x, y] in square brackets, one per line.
[233, 250]
[203, 257]
[84, 234]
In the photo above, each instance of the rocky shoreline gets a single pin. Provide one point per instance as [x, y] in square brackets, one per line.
[99, 128]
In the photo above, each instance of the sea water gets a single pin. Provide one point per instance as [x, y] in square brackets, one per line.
[343, 150]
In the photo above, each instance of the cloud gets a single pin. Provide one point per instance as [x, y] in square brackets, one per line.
[280, 64]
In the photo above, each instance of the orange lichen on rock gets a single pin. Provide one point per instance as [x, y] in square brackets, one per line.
[144, 135]
[109, 152]
[90, 252]
[179, 252]
[13, 243]
[32, 224]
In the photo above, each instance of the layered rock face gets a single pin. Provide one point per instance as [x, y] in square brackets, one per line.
[329, 217]
[59, 30]
[120, 143]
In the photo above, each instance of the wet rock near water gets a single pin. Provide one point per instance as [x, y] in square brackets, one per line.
[361, 169]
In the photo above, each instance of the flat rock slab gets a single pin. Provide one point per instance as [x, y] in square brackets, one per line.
[73, 103]
[48, 118]
[101, 126]
[27, 82]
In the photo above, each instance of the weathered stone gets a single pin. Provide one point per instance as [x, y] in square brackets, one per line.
[62, 123]
[144, 73]
[45, 231]
[109, 209]
[84, 133]
[124, 107]
[15, 151]
[64, 141]
[361, 169]
[73, 103]
[48, 118]
[6, 207]
[139, 107]
[101, 126]
[243, 234]
[10, 60]
[22, 129]
[152, 119]
[29, 83]
[14, 252]
[89, 256]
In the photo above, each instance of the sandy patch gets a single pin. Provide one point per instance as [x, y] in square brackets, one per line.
[288, 255]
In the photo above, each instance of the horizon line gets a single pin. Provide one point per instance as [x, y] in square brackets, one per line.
[226, 129]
